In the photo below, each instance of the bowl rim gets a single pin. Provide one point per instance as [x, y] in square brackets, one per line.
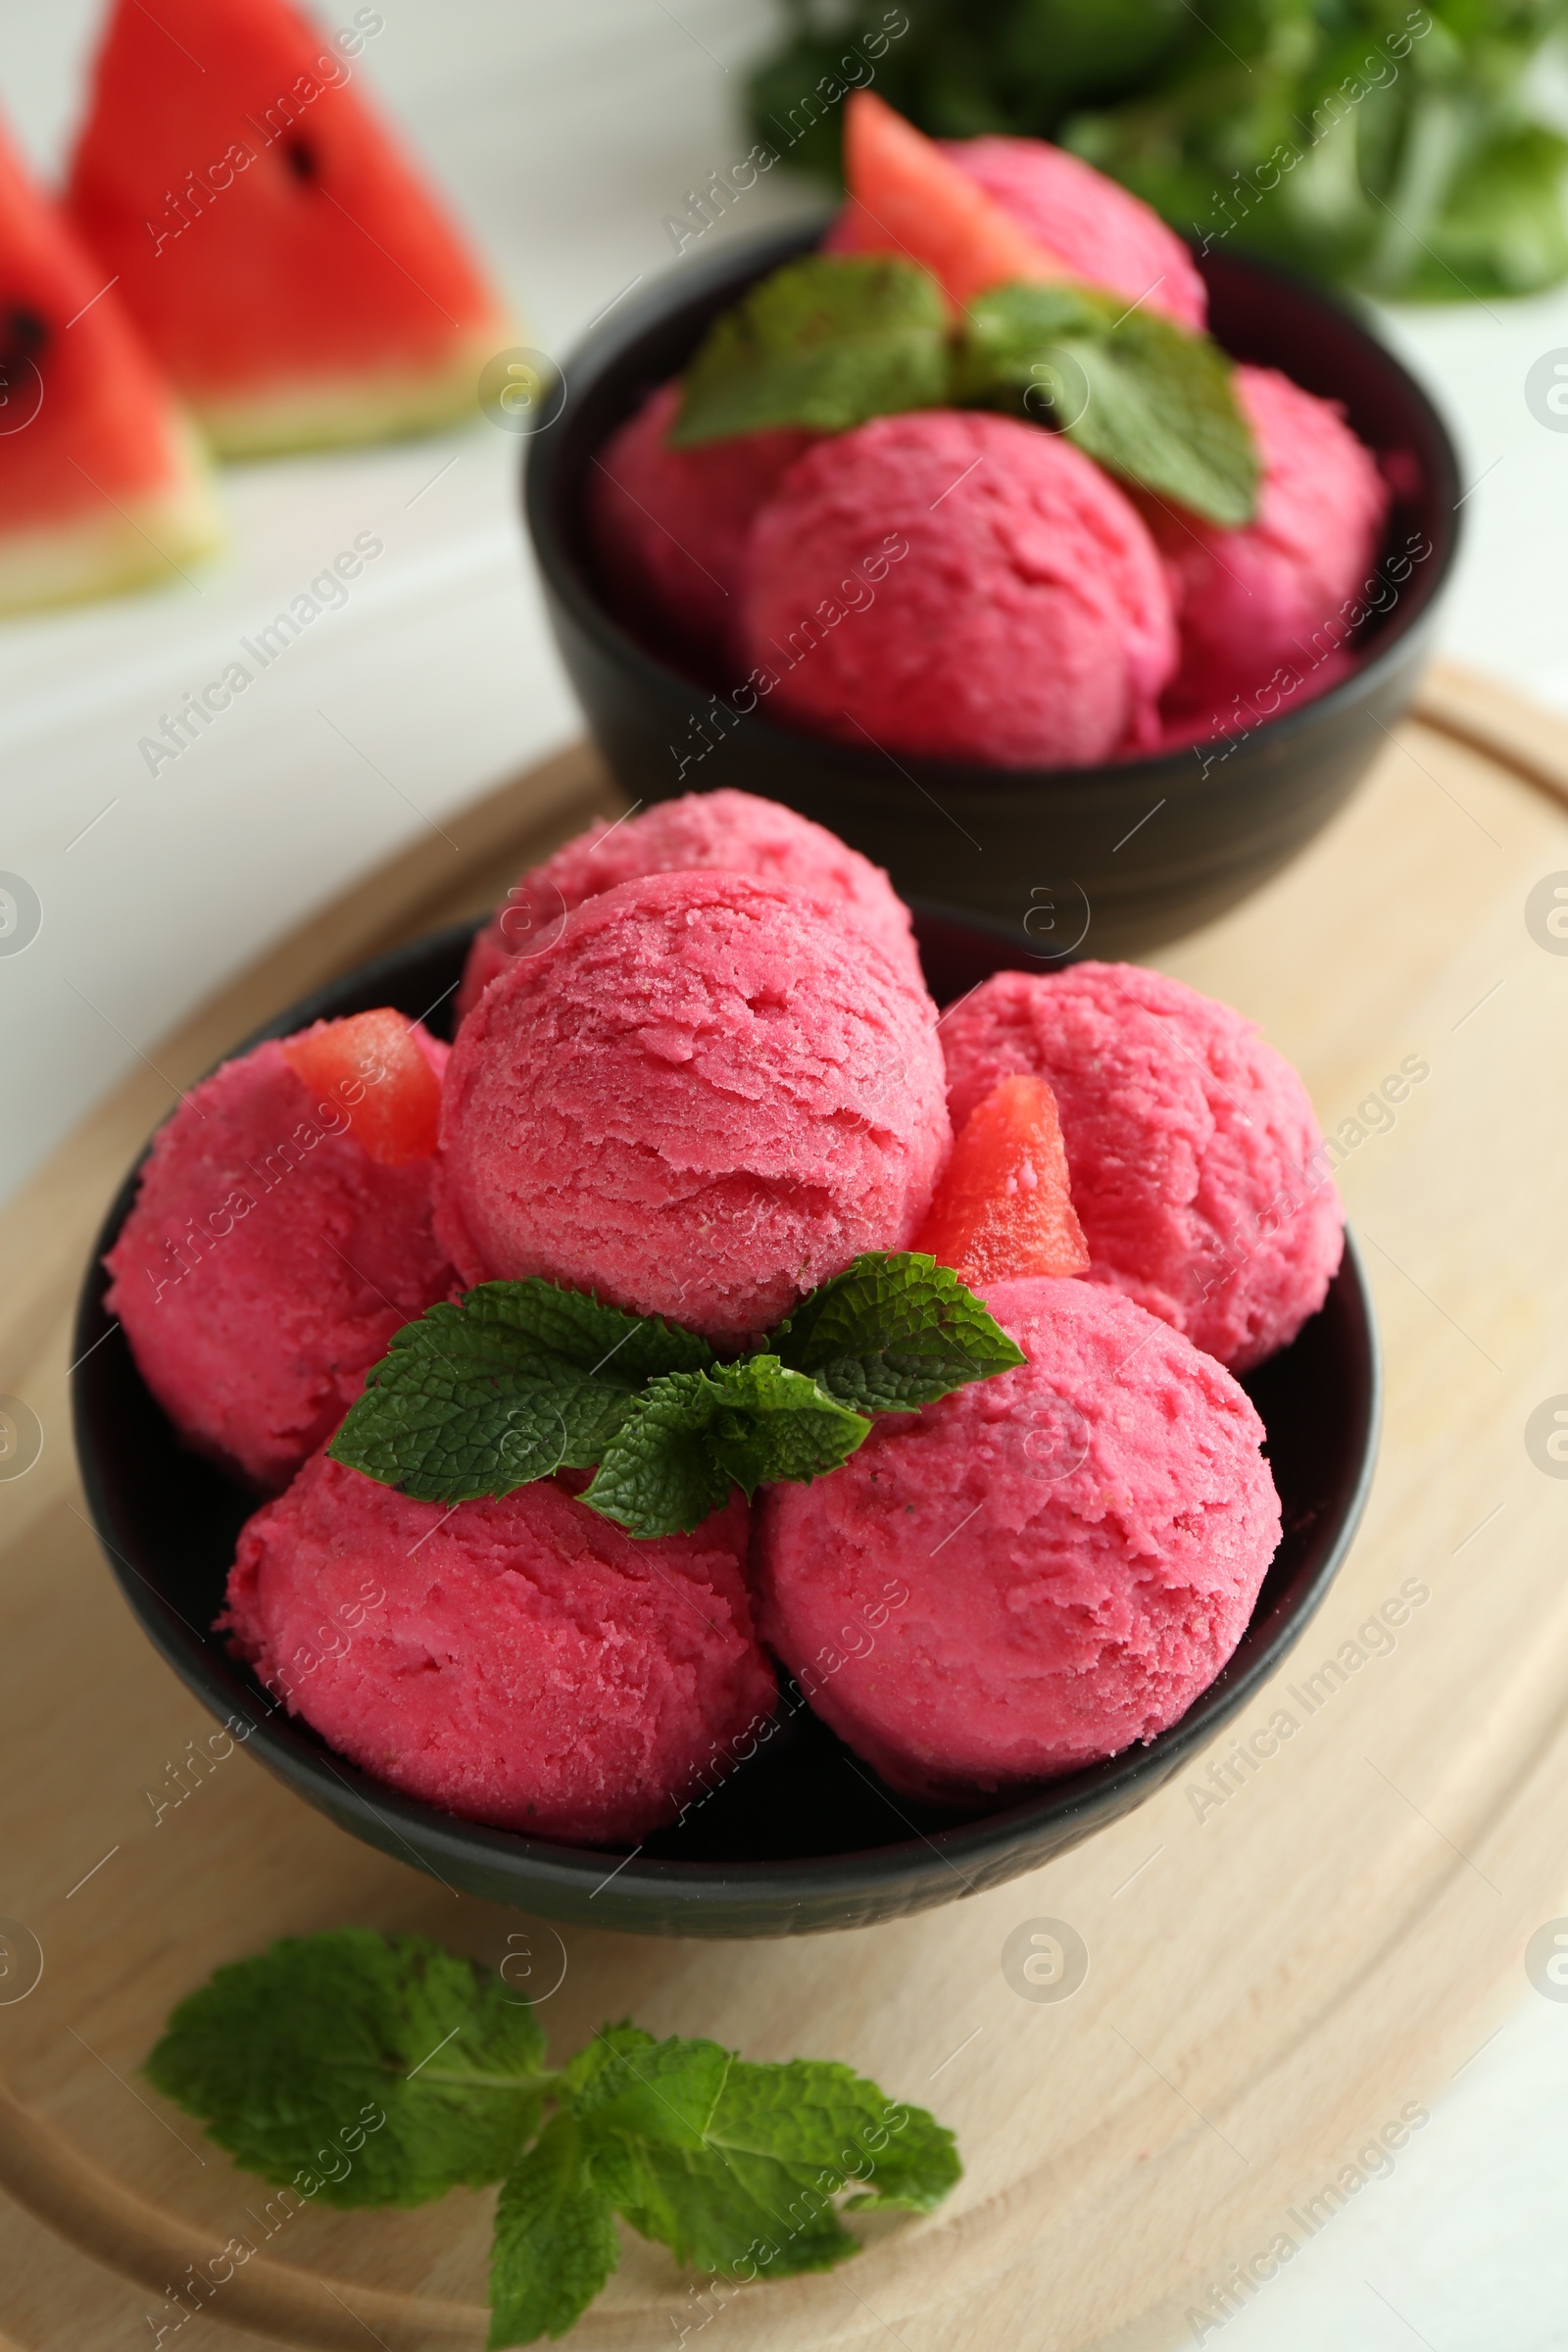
[740, 260]
[663, 1888]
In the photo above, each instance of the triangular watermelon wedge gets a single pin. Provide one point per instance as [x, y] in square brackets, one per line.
[1004, 1206]
[284, 260]
[102, 484]
[906, 197]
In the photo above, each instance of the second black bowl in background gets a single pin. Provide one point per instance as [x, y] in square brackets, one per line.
[1105, 861]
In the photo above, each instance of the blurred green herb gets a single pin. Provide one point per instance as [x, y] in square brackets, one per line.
[360, 2068]
[829, 341]
[1405, 149]
[820, 346]
[1139, 394]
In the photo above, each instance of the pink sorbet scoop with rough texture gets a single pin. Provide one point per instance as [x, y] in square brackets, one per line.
[1009, 606]
[519, 1661]
[1039, 1570]
[703, 1099]
[732, 830]
[668, 525]
[1099, 231]
[1196, 1162]
[1277, 596]
[266, 1261]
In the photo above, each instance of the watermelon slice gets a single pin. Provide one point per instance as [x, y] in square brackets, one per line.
[280, 254]
[906, 196]
[1004, 1207]
[101, 482]
[386, 1084]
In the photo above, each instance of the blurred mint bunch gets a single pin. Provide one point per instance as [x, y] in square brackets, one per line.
[1406, 149]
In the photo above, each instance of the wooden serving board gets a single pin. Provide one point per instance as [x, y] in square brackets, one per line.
[1282, 1959]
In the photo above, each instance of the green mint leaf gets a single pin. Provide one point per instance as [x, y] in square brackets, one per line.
[719, 2209]
[825, 342]
[688, 1438]
[728, 2162]
[379, 2068]
[555, 2240]
[1141, 395]
[626, 2082]
[772, 1423]
[823, 2116]
[1005, 329]
[659, 1476]
[649, 2110]
[892, 1332]
[518, 1380]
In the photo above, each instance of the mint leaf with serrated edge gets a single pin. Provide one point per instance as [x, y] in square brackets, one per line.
[287, 2058]
[1147, 399]
[518, 1380]
[555, 2241]
[892, 1333]
[825, 342]
[692, 1436]
[734, 2165]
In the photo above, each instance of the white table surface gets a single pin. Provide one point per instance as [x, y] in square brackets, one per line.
[565, 136]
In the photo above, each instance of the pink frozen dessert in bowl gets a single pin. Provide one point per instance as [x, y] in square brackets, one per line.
[927, 1436]
[914, 543]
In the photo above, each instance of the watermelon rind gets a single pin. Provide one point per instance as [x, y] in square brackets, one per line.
[333, 413]
[143, 539]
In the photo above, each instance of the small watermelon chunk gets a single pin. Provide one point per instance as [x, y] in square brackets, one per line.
[101, 486]
[373, 1064]
[907, 197]
[281, 255]
[1004, 1207]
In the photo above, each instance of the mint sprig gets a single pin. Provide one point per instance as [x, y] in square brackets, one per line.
[831, 340]
[521, 1379]
[360, 2068]
[822, 347]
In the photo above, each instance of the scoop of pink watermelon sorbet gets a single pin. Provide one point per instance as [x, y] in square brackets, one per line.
[1196, 1158]
[731, 830]
[1008, 605]
[1100, 231]
[703, 1099]
[1279, 595]
[266, 1261]
[668, 525]
[1038, 1571]
[519, 1661]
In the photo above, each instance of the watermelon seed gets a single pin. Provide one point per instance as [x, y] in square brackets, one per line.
[23, 333]
[300, 156]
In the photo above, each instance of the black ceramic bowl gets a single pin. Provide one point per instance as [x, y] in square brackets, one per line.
[1050, 857]
[803, 1837]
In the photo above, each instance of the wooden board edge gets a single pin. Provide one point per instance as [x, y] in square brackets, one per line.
[1490, 717]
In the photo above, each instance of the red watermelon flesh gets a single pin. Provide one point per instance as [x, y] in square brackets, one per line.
[285, 261]
[395, 1110]
[1004, 1207]
[99, 483]
[907, 197]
